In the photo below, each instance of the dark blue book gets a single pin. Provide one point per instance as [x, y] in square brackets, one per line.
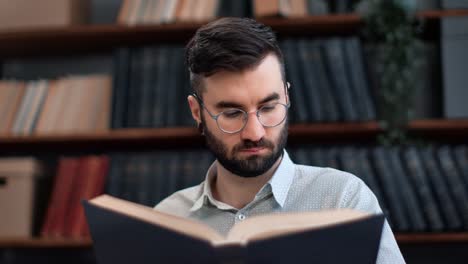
[121, 87]
[309, 82]
[461, 159]
[115, 179]
[340, 85]
[296, 91]
[417, 174]
[329, 101]
[439, 185]
[391, 189]
[173, 84]
[456, 186]
[369, 176]
[147, 87]
[160, 90]
[135, 87]
[358, 81]
[412, 204]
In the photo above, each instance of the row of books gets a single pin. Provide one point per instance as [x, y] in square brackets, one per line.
[419, 188]
[70, 104]
[135, 12]
[328, 83]
[148, 178]
[76, 178]
[179, 11]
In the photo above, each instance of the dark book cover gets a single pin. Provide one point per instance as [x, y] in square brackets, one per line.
[329, 102]
[391, 189]
[124, 238]
[417, 175]
[296, 91]
[370, 178]
[135, 87]
[145, 100]
[412, 204]
[357, 76]
[454, 179]
[336, 69]
[310, 89]
[439, 185]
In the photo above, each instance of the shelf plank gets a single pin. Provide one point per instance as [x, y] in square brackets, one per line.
[402, 238]
[161, 138]
[412, 238]
[45, 243]
[104, 38]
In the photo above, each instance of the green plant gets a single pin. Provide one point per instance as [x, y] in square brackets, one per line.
[391, 27]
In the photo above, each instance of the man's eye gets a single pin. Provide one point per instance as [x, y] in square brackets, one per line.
[268, 108]
[232, 114]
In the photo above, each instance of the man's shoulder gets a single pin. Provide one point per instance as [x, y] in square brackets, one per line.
[325, 176]
[329, 187]
[180, 202]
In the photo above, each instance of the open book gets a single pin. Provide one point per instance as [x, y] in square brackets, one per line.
[125, 232]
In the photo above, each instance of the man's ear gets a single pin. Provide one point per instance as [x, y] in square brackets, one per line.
[288, 86]
[194, 108]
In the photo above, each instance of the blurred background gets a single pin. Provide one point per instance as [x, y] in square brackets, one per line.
[93, 100]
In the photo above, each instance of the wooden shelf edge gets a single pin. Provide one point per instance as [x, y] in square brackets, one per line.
[315, 130]
[45, 243]
[414, 238]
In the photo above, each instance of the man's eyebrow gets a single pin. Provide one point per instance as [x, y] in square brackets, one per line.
[227, 104]
[271, 97]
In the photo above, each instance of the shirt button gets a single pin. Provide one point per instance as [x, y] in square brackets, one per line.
[241, 217]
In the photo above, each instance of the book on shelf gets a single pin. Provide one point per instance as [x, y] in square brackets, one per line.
[126, 232]
[442, 194]
[77, 178]
[26, 14]
[454, 180]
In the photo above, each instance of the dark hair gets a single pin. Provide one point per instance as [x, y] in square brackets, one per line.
[232, 44]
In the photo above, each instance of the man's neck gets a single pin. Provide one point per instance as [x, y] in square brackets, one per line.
[238, 191]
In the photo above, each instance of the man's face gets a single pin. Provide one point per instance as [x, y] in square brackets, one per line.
[255, 149]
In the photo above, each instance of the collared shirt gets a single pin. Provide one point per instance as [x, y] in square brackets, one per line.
[292, 188]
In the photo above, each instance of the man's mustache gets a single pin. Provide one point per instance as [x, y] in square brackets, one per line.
[246, 144]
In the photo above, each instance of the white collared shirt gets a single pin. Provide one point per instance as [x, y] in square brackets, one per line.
[292, 188]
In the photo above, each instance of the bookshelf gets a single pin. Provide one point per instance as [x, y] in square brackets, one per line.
[68, 40]
[59, 40]
[151, 138]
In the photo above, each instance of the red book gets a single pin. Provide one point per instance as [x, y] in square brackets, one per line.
[91, 170]
[97, 188]
[58, 202]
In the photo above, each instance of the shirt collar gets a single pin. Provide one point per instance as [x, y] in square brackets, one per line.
[280, 183]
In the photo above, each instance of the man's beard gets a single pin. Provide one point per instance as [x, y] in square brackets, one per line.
[252, 166]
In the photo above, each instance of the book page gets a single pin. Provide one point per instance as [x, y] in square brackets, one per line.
[149, 215]
[266, 226]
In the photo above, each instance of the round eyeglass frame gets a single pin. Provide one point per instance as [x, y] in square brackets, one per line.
[246, 114]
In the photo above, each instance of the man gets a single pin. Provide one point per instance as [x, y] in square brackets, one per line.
[240, 104]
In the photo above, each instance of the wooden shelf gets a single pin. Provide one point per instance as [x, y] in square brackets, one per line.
[402, 238]
[45, 243]
[412, 238]
[154, 138]
[104, 38]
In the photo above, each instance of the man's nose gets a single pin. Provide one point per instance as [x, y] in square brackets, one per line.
[253, 130]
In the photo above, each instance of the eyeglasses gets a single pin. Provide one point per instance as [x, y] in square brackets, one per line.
[234, 120]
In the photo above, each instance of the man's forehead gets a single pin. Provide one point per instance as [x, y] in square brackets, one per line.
[251, 85]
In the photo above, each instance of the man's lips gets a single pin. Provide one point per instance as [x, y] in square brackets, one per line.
[252, 150]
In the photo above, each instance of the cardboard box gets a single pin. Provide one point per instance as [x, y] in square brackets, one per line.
[18, 190]
[30, 14]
